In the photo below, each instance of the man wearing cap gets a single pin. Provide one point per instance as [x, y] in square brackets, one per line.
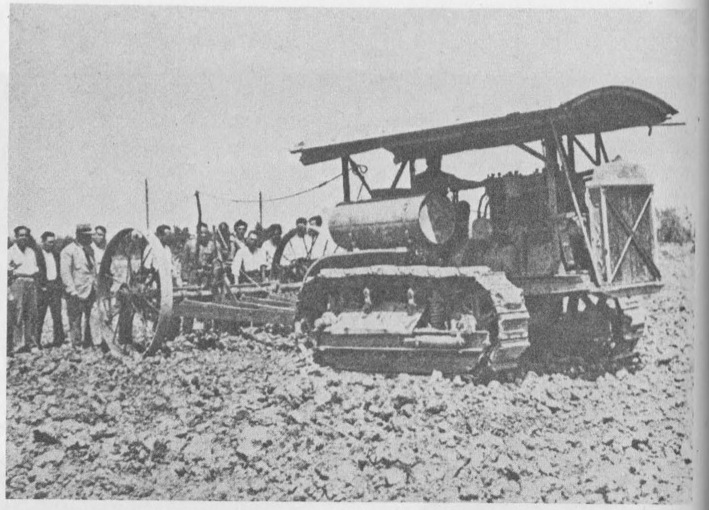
[78, 271]
[434, 179]
[23, 273]
[50, 289]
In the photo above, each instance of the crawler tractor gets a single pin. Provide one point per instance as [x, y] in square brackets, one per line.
[551, 265]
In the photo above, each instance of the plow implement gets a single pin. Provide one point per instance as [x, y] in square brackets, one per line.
[139, 309]
[246, 309]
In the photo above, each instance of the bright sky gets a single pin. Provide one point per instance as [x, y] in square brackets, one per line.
[211, 99]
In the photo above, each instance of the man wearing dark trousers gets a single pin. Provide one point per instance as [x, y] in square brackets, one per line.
[78, 271]
[24, 271]
[50, 289]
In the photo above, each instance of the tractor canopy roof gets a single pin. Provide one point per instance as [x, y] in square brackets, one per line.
[604, 109]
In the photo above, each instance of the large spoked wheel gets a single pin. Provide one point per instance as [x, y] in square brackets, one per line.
[135, 293]
[296, 254]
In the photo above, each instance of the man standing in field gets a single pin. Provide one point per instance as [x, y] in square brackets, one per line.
[240, 228]
[270, 245]
[78, 271]
[299, 245]
[249, 264]
[198, 265]
[322, 244]
[99, 244]
[198, 258]
[165, 235]
[50, 289]
[23, 273]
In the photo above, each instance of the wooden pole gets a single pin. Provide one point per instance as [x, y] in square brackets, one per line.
[147, 206]
[260, 208]
[199, 220]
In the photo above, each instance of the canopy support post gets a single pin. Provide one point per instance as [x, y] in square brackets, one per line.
[600, 149]
[346, 179]
[570, 151]
[577, 208]
[551, 167]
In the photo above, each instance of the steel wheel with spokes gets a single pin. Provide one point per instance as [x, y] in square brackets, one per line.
[135, 293]
[296, 254]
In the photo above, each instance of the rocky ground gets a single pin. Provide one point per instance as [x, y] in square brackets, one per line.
[249, 420]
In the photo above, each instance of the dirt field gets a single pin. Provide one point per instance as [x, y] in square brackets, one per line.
[259, 421]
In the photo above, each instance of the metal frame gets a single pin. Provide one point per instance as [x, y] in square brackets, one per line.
[574, 198]
[354, 167]
[526, 148]
[398, 175]
[346, 179]
[598, 145]
[631, 239]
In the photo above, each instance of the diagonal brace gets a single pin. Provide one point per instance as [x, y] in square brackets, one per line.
[631, 239]
[355, 170]
[398, 174]
[526, 148]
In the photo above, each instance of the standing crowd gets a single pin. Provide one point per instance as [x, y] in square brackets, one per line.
[41, 276]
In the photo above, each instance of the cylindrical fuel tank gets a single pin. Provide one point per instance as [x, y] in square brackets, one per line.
[392, 223]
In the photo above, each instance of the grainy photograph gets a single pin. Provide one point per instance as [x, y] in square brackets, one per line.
[328, 254]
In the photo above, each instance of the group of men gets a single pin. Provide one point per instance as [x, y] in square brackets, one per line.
[39, 277]
[310, 241]
[246, 256]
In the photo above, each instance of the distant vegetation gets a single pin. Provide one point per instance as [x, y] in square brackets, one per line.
[675, 227]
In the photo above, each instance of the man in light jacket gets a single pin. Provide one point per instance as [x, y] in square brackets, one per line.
[78, 271]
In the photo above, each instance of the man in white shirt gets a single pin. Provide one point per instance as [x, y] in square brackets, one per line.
[239, 239]
[249, 263]
[270, 245]
[50, 290]
[322, 244]
[300, 244]
[23, 273]
[99, 244]
[164, 234]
